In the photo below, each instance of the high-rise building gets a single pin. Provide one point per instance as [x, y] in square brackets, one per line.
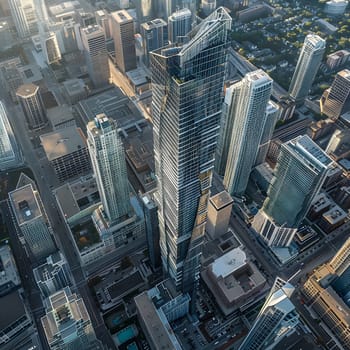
[301, 169]
[144, 10]
[109, 165]
[277, 318]
[163, 8]
[122, 25]
[187, 99]
[96, 55]
[341, 261]
[336, 100]
[307, 66]
[10, 154]
[152, 33]
[179, 24]
[208, 6]
[32, 221]
[50, 48]
[24, 17]
[53, 275]
[33, 107]
[250, 97]
[67, 324]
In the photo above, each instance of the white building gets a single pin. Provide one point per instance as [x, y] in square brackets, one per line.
[335, 7]
[50, 48]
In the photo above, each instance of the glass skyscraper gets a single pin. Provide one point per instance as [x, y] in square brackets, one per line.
[247, 115]
[187, 86]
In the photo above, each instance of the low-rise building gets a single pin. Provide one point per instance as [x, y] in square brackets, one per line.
[61, 117]
[333, 218]
[320, 205]
[75, 90]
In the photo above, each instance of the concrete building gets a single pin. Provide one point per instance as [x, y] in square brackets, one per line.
[335, 101]
[122, 25]
[307, 66]
[234, 281]
[96, 55]
[219, 213]
[75, 90]
[299, 174]
[277, 319]
[11, 79]
[61, 117]
[343, 197]
[320, 128]
[184, 181]
[10, 153]
[153, 35]
[254, 12]
[250, 98]
[32, 104]
[9, 278]
[67, 324]
[208, 6]
[337, 59]
[50, 48]
[335, 7]
[320, 205]
[155, 309]
[332, 219]
[179, 25]
[53, 275]
[339, 145]
[67, 152]
[24, 17]
[32, 221]
[341, 261]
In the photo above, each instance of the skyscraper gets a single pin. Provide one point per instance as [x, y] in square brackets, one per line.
[10, 154]
[187, 85]
[32, 221]
[152, 33]
[277, 318]
[122, 25]
[50, 48]
[341, 261]
[67, 324]
[32, 105]
[179, 24]
[208, 6]
[24, 17]
[336, 100]
[96, 56]
[250, 97]
[108, 162]
[299, 174]
[307, 66]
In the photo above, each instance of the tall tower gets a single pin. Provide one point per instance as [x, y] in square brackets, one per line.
[96, 56]
[299, 174]
[31, 219]
[248, 114]
[336, 100]
[276, 319]
[179, 24]
[152, 33]
[50, 47]
[341, 261]
[108, 162]
[33, 106]
[187, 85]
[24, 17]
[308, 63]
[124, 42]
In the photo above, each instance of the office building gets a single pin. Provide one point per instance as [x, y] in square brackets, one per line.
[335, 7]
[96, 56]
[272, 114]
[53, 275]
[335, 101]
[122, 25]
[179, 24]
[152, 33]
[108, 162]
[337, 59]
[33, 107]
[341, 261]
[339, 144]
[50, 48]
[61, 117]
[248, 114]
[144, 10]
[75, 90]
[150, 211]
[208, 6]
[67, 324]
[67, 152]
[301, 169]
[276, 319]
[24, 17]
[32, 221]
[307, 66]
[10, 154]
[219, 214]
[9, 278]
[186, 115]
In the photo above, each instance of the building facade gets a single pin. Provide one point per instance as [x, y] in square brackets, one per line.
[179, 24]
[24, 17]
[187, 101]
[307, 66]
[248, 115]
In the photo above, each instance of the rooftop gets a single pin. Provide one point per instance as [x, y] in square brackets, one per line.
[59, 114]
[12, 309]
[335, 215]
[27, 90]
[25, 204]
[8, 271]
[221, 200]
[60, 143]
[74, 86]
[121, 16]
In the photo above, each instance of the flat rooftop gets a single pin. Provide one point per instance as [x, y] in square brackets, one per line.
[221, 200]
[65, 141]
[74, 86]
[335, 215]
[121, 16]
[12, 309]
[60, 114]
[27, 90]
[25, 204]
